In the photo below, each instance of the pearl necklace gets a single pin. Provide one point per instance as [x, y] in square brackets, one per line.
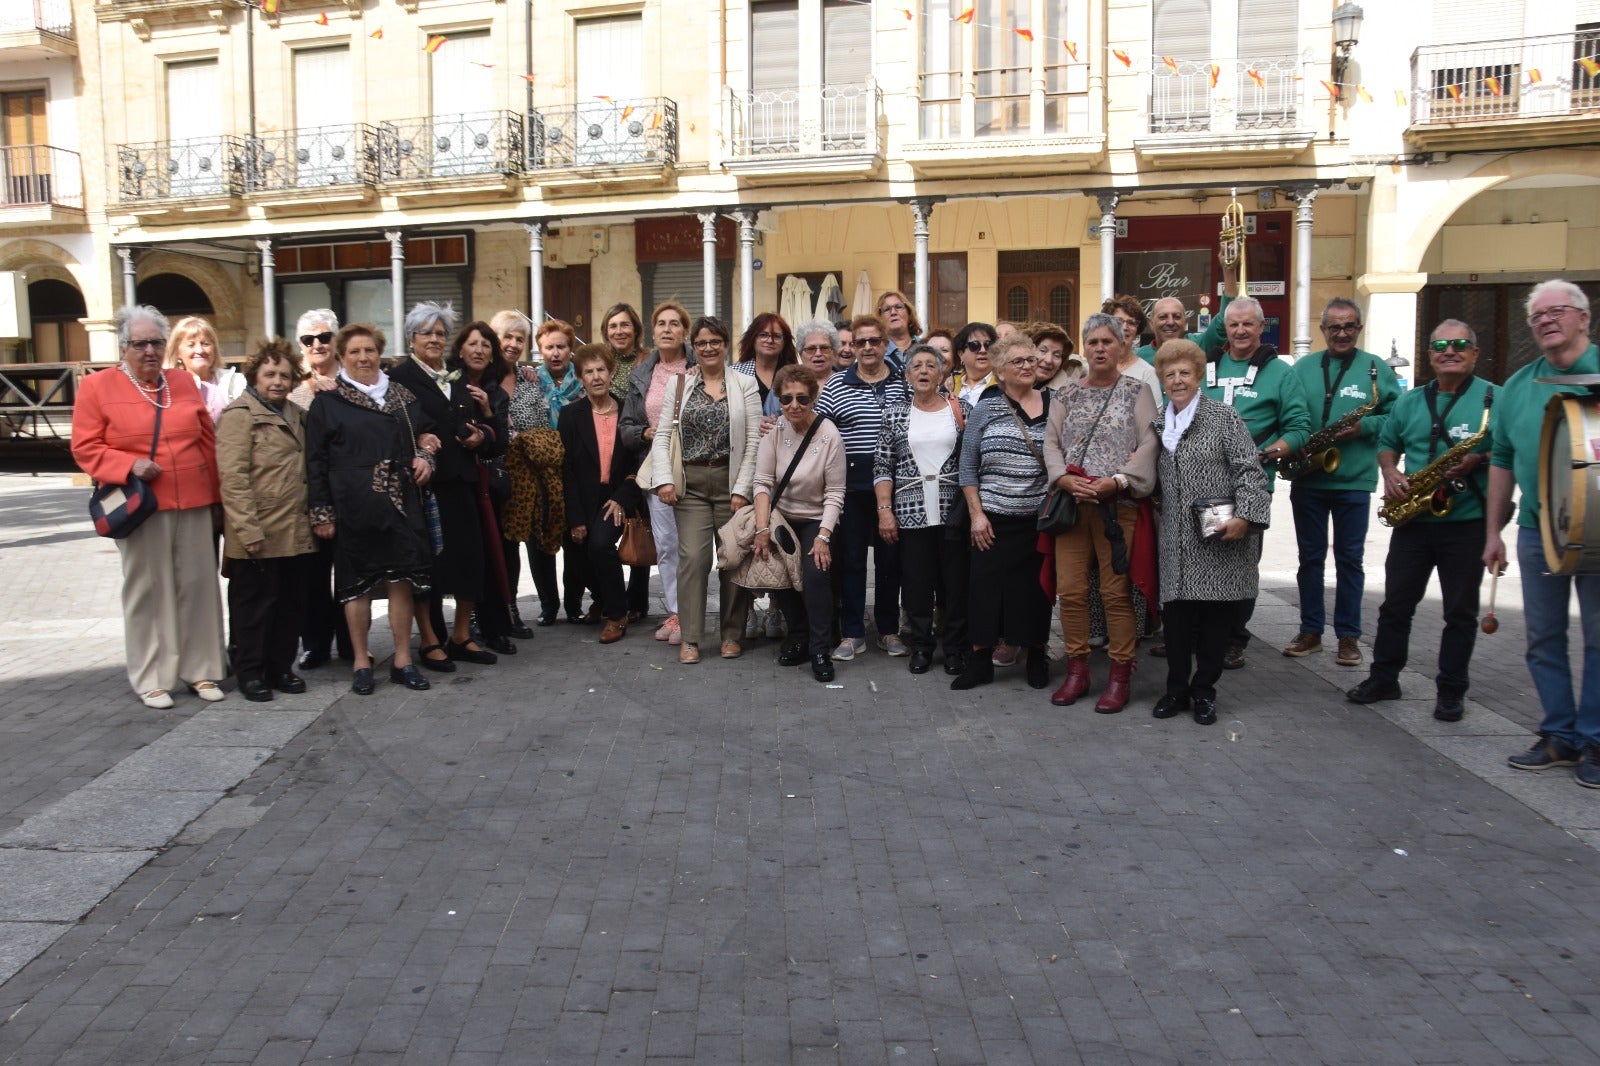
[151, 393]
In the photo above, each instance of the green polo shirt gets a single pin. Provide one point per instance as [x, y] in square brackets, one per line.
[1213, 336]
[1272, 406]
[1519, 418]
[1327, 389]
[1409, 432]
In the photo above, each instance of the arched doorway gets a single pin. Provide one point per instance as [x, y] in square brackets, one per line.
[174, 296]
[56, 310]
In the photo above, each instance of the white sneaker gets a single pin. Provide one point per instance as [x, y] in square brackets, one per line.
[893, 645]
[849, 648]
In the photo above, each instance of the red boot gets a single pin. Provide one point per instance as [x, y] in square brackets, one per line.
[1076, 684]
[1115, 697]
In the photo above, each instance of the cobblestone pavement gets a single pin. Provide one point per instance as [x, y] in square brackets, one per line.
[593, 854]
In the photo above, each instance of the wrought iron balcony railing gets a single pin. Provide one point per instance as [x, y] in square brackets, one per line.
[45, 16]
[165, 170]
[40, 175]
[1262, 93]
[805, 121]
[450, 146]
[604, 133]
[314, 158]
[1528, 77]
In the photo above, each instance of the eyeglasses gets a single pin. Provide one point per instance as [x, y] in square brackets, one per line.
[793, 398]
[817, 349]
[769, 336]
[706, 346]
[431, 335]
[977, 346]
[885, 309]
[308, 339]
[1341, 327]
[1024, 362]
[1549, 314]
[148, 345]
[869, 342]
[1460, 344]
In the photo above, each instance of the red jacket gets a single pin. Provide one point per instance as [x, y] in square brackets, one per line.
[112, 425]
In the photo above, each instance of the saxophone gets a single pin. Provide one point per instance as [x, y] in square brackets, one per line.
[1320, 456]
[1431, 491]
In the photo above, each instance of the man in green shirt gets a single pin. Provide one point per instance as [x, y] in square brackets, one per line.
[1343, 378]
[1569, 735]
[1171, 322]
[1423, 425]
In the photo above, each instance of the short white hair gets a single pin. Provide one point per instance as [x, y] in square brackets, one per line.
[426, 313]
[313, 317]
[129, 314]
[1249, 303]
[804, 331]
[1575, 296]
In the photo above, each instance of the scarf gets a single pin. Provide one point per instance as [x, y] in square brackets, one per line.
[441, 378]
[375, 392]
[559, 395]
[1176, 423]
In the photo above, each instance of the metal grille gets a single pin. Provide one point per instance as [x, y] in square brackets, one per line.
[207, 166]
[314, 158]
[1525, 76]
[604, 133]
[444, 146]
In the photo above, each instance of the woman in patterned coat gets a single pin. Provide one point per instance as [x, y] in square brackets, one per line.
[1207, 454]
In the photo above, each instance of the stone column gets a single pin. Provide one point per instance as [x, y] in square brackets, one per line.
[1108, 245]
[747, 269]
[397, 288]
[1304, 197]
[130, 277]
[708, 253]
[921, 212]
[1390, 316]
[269, 288]
[535, 277]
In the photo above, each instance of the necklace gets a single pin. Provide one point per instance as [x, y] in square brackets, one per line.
[152, 393]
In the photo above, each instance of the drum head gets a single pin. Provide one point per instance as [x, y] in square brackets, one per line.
[1555, 485]
[1573, 381]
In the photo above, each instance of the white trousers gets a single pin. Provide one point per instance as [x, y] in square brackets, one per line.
[664, 527]
[171, 603]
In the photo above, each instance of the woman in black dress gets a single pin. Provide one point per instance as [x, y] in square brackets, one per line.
[476, 355]
[369, 451]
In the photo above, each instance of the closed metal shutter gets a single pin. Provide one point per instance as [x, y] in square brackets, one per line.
[1183, 29]
[439, 286]
[685, 282]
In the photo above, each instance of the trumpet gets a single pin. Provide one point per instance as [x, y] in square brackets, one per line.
[1231, 240]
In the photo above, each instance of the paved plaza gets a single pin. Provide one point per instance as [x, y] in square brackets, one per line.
[592, 854]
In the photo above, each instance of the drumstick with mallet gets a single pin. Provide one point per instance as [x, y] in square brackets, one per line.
[1490, 622]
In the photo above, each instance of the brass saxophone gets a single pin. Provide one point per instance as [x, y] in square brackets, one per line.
[1320, 455]
[1432, 492]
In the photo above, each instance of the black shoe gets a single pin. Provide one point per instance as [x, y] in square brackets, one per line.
[794, 655]
[1038, 668]
[921, 660]
[979, 671]
[1447, 707]
[291, 683]
[822, 666]
[409, 676]
[955, 665]
[313, 659]
[1205, 712]
[502, 645]
[1170, 706]
[519, 628]
[546, 620]
[1233, 658]
[1159, 649]
[462, 653]
[362, 684]
[1372, 690]
[256, 691]
[438, 666]
[1547, 752]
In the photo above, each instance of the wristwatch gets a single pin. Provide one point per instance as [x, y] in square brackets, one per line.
[825, 538]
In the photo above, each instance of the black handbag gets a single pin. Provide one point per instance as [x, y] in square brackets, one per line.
[118, 510]
[1059, 513]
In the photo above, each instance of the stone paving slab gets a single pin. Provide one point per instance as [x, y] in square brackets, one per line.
[60, 886]
[97, 817]
[183, 767]
[231, 726]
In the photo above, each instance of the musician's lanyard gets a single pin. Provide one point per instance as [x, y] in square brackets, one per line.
[1431, 394]
[1229, 384]
[1329, 390]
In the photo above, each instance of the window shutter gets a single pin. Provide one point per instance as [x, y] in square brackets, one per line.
[1466, 21]
[685, 282]
[774, 45]
[610, 58]
[463, 83]
[1267, 29]
[322, 88]
[846, 42]
[440, 286]
[1183, 29]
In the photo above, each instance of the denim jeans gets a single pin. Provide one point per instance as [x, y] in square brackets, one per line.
[1545, 599]
[1349, 509]
[858, 533]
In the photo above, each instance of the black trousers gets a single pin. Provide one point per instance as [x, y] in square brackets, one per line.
[858, 533]
[599, 568]
[322, 622]
[809, 611]
[1416, 549]
[1198, 632]
[1244, 611]
[266, 601]
[934, 564]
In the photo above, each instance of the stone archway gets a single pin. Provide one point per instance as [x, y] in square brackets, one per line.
[214, 280]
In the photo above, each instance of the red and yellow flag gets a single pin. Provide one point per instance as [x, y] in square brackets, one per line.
[377, 34]
[1590, 64]
[655, 120]
[906, 11]
[435, 43]
[1026, 35]
[1216, 72]
[1361, 91]
[626, 112]
[1534, 77]
[1454, 91]
[1170, 63]
[967, 16]
[1493, 84]
[1072, 49]
[1400, 98]
[1332, 87]
[1123, 58]
[322, 19]
[1255, 75]
[269, 7]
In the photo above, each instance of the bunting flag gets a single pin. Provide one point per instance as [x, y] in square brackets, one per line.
[691, 127]
[1026, 35]
[322, 19]
[1534, 77]
[906, 11]
[1454, 91]
[655, 120]
[1493, 84]
[626, 111]
[485, 66]
[966, 17]
[1332, 87]
[1216, 72]
[377, 34]
[1400, 98]
[527, 77]
[1591, 65]
[607, 99]
[435, 43]
[1256, 76]
[1170, 63]
[1072, 49]
[1123, 58]
[269, 7]
[1366, 97]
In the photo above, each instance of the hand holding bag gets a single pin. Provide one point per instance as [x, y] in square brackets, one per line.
[738, 534]
[1059, 512]
[638, 544]
[118, 510]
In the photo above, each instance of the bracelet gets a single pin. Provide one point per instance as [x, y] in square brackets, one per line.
[824, 538]
[885, 506]
[763, 529]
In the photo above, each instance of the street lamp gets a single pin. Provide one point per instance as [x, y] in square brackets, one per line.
[1346, 35]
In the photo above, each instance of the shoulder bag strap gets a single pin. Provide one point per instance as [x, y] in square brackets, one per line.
[955, 410]
[799, 452]
[1095, 426]
[155, 438]
[1022, 427]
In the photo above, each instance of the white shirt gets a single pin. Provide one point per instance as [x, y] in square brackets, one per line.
[1176, 423]
[931, 435]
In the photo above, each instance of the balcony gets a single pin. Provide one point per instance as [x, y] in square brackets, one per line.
[607, 144]
[452, 155]
[999, 122]
[205, 175]
[1251, 115]
[40, 185]
[1529, 92]
[36, 29]
[321, 166]
[804, 134]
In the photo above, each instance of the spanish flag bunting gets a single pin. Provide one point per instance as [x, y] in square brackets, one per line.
[1332, 87]
[528, 77]
[1123, 58]
[626, 112]
[607, 99]
[1361, 91]
[1026, 35]
[1534, 77]
[485, 66]
[906, 11]
[1216, 72]
[435, 43]
[1072, 49]
[269, 7]
[1255, 75]
[967, 16]
[1400, 98]
[322, 19]
[1493, 84]
[377, 34]
[655, 120]
[1454, 91]
[1590, 64]
[691, 127]
[1170, 63]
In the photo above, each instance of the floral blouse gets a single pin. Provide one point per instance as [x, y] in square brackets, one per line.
[704, 425]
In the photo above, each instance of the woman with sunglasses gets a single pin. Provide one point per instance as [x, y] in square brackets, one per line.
[972, 350]
[811, 502]
[915, 473]
[323, 623]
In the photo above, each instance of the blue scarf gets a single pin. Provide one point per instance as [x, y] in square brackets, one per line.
[559, 395]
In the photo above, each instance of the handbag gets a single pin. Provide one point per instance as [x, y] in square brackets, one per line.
[118, 510]
[1059, 512]
[638, 544]
[740, 529]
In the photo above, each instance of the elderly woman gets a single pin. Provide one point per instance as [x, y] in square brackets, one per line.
[703, 455]
[1003, 479]
[805, 455]
[1207, 457]
[1057, 362]
[261, 459]
[641, 412]
[1135, 323]
[976, 375]
[915, 473]
[766, 347]
[1100, 449]
[468, 423]
[194, 347]
[318, 365]
[138, 420]
[819, 349]
[323, 624]
[476, 356]
[369, 451]
[600, 483]
[534, 514]
[624, 333]
[900, 326]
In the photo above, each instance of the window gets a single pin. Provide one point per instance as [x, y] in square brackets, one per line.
[610, 87]
[1039, 285]
[772, 121]
[947, 288]
[1255, 45]
[978, 76]
[1585, 45]
[24, 157]
[352, 278]
[325, 150]
[462, 136]
[198, 160]
[810, 70]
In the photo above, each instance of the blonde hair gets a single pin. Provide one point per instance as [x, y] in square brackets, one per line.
[189, 327]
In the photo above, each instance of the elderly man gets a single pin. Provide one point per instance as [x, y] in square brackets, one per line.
[1569, 735]
[1345, 378]
[1422, 425]
[1171, 322]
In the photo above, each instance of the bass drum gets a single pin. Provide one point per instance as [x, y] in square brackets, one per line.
[1569, 484]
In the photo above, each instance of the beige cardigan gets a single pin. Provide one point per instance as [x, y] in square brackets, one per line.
[744, 434]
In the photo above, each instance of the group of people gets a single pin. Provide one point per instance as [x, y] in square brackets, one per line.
[981, 474]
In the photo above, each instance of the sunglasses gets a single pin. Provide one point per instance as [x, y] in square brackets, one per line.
[308, 339]
[1460, 344]
[794, 398]
[977, 346]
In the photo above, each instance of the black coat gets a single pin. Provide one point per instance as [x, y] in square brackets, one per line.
[580, 469]
[450, 417]
[358, 460]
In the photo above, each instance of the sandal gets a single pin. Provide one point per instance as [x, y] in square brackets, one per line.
[688, 654]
